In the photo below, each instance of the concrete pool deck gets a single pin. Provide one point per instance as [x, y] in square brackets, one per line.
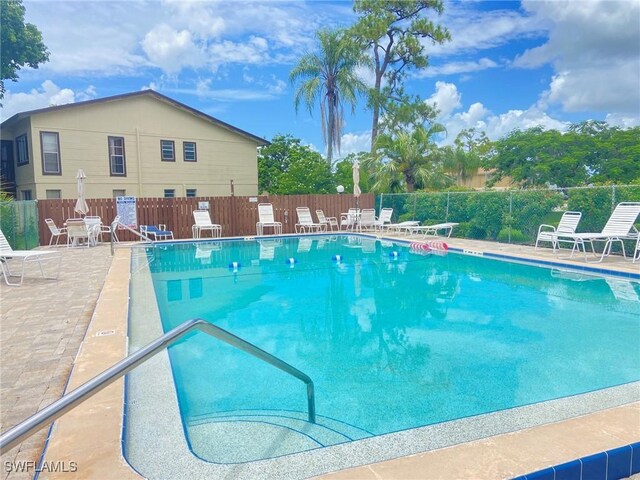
[41, 306]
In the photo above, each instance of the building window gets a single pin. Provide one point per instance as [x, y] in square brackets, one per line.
[189, 151]
[117, 163]
[25, 194]
[23, 150]
[168, 150]
[50, 144]
[192, 192]
[119, 193]
[54, 194]
[169, 193]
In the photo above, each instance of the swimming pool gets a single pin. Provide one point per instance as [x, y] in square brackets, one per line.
[391, 342]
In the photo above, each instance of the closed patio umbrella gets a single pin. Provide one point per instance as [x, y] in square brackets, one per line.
[356, 181]
[81, 204]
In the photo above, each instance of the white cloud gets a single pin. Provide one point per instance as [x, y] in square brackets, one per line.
[452, 68]
[594, 48]
[354, 143]
[446, 98]
[622, 120]
[172, 50]
[48, 95]
[122, 37]
[82, 41]
[473, 30]
[479, 117]
[254, 51]
[597, 89]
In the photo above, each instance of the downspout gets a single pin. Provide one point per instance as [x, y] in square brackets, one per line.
[139, 162]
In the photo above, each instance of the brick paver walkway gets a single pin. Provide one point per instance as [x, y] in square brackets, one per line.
[42, 324]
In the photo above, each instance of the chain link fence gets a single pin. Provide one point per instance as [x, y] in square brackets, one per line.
[509, 216]
[19, 223]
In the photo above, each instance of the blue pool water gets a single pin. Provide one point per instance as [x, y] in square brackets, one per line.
[390, 342]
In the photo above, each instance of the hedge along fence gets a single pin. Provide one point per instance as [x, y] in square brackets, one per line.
[19, 223]
[511, 216]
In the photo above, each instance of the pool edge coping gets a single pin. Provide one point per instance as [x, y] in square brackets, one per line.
[96, 324]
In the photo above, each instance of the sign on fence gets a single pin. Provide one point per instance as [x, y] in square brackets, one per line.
[126, 209]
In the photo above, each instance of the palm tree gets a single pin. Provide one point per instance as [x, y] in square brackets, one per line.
[329, 76]
[409, 160]
[464, 158]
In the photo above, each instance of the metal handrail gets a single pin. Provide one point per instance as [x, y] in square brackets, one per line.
[112, 235]
[28, 427]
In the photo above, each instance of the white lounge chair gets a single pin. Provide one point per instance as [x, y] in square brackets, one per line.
[7, 253]
[384, 219]
[367, 219]
[568, 224]
[403, 226]
[330, 222]
[267, 219]
[619, 227]
[55, 231]
[203, 224]
[306, 223]
[433, 230]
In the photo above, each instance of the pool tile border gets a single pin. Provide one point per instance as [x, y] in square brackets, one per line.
[610, 464]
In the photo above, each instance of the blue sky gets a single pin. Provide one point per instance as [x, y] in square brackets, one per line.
[510, 64]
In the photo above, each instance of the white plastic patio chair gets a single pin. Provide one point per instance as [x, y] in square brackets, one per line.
[384, 218]
[267, 219]
[81, 234]
[568, 224]
[203, 223]
[619, 227]
[330, 222]
[95, 224]
[56, 232]
[306, 223]
[7, 254]
[367, 219]
[349, 221]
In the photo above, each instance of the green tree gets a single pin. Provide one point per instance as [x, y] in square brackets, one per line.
[615, 156]
[538, 157]
[394, 32]
[328, 76]
[21, 43]
[589, 152]
[463, 159]
[287, 167]
[408, 160]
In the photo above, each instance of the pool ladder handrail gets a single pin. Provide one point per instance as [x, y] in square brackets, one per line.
[28, 427]
[113, 239]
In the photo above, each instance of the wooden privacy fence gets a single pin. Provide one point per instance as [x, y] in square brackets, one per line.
[237, 215]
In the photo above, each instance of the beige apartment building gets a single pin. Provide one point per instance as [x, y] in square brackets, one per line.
[142, 144]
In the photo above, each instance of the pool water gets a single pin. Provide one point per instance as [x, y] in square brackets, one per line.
[392, 339]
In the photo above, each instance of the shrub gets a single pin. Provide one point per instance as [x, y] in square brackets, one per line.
[516, 236]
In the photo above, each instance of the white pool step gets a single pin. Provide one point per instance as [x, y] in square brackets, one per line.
[248, 435]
